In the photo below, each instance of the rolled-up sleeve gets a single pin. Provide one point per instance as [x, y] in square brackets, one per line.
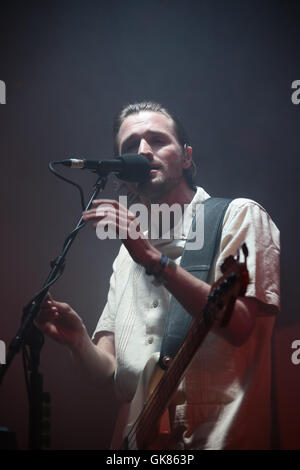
[107, 318]
[246, 221]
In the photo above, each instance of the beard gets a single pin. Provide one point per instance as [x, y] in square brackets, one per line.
[157, 188]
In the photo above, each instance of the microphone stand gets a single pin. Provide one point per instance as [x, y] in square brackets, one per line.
[29, 335]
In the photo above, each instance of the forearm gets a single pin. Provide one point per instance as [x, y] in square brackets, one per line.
[192, 294]
[95, 363]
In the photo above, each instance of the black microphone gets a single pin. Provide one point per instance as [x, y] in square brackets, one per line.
[127, 167]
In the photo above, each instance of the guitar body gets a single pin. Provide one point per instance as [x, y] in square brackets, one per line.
[127, 435]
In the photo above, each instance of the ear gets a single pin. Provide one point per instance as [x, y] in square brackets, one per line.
[187, 156]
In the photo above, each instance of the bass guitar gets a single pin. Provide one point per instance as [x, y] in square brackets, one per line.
[145, 422]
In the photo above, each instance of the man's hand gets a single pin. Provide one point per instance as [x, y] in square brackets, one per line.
[59, 321]
[125, 224]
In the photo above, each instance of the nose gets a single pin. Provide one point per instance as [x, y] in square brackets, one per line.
[144, 148]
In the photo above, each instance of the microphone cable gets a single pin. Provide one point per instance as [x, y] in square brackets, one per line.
[67, 180]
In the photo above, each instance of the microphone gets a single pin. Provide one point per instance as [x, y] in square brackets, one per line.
[127, 167]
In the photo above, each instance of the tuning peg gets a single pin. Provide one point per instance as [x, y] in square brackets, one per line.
[232, 278]
[224, 284]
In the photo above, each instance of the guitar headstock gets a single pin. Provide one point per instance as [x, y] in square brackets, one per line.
[224, 292]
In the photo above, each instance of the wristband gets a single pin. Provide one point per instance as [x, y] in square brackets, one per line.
[157, 269]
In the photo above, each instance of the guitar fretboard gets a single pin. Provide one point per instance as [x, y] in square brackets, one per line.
[160, 398]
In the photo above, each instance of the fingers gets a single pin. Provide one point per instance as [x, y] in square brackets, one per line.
[110, 213]
[112, 202]
[48, 296]
[50, 310]
[108, 205]
[47, 314]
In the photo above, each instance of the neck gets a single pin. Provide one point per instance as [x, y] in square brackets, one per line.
[181, 194]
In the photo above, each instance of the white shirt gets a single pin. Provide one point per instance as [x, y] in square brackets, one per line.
[227, 388]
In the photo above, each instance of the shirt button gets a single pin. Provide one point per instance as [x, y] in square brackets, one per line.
[155, 303]
[150, 339]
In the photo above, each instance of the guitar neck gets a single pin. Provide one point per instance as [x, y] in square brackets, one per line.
[223, 294]
[163, 393]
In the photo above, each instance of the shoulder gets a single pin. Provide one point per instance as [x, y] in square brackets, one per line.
[241, 203]
[246, 207]
[247, 215]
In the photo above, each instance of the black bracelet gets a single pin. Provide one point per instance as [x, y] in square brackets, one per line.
[157, 269]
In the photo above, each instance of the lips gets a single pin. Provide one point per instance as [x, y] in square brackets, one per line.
[154, 169]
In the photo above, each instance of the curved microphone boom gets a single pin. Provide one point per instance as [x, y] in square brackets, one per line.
[127, 167]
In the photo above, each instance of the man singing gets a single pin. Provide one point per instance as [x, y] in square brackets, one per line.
[224, 399]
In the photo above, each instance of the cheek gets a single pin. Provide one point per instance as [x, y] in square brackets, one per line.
[170, 157]
[174, 164]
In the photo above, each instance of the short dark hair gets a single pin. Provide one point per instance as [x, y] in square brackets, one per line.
[154, 107]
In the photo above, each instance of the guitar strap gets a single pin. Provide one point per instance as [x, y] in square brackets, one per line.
[198, 263]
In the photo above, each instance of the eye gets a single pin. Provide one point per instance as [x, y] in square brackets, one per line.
[129, 148]
[157, 141]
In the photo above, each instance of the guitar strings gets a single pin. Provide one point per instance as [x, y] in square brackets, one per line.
[149, 416]
[169, 380]
[181, 362]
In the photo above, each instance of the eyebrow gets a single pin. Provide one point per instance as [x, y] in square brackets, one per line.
[135, 136]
